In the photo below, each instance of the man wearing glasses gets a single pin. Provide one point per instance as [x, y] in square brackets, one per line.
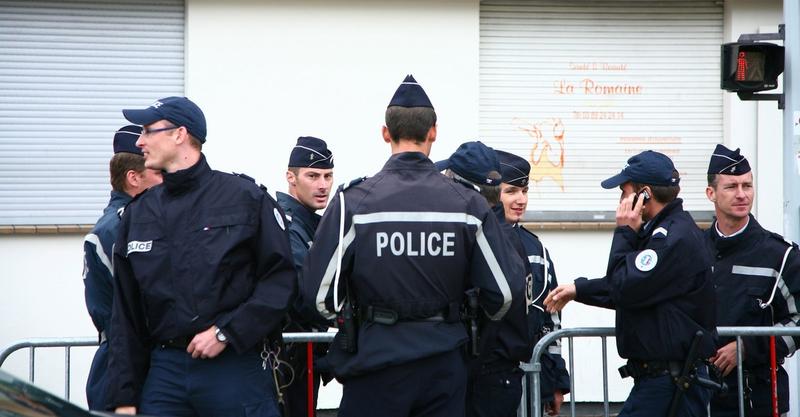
[203, 275]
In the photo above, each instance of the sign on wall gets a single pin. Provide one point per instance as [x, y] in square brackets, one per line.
[577, 87]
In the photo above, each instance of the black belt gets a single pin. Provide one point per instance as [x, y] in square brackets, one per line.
[641, 369]
[387, 316]
[175, 343]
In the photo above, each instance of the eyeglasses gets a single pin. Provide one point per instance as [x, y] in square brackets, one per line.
[147, 132]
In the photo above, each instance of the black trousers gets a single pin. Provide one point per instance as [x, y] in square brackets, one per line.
[495, 394]
[428, 387]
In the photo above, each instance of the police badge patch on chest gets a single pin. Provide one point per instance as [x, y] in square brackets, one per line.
[646, 260]
[139, 246]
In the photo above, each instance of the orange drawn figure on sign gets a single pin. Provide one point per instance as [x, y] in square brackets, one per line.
[546, 161]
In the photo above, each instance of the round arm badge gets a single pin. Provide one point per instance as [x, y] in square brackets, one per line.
[646, 260]
[279, 218]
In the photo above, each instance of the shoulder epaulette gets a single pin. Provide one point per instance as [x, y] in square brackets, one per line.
[245, 176]
[467, 184]
[783, 239]
[344, 186]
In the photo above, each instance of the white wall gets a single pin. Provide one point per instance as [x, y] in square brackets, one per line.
[42, 296]
[266, 72]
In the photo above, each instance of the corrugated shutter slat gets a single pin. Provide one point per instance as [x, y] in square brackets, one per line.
[67, 68]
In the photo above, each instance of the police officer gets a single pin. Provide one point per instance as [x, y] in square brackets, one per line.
[398, 250]
[203, 274]
[494, 380]
[757, 279]
[128, 177]
[659, 282]
[310, 176]
[514, 197]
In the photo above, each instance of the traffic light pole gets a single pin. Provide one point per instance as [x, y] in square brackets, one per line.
[791, 132]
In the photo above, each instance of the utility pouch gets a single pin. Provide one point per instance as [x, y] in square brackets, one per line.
[471, 321]
[348, 328]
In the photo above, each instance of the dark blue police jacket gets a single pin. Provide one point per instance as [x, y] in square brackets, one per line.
[203, 248]
[554, 370]
[414, 241]
[513, 338]
[659, 282]
[97, 271]
[302, 225]
[746, 270]
[99, 291]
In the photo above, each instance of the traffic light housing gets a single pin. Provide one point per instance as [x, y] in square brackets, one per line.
[748, 67]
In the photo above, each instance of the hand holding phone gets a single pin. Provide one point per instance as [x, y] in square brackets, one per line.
[645, 198]
[629, 211]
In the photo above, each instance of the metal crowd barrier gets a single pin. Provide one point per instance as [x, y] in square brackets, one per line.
[70, 342]
[533, 369]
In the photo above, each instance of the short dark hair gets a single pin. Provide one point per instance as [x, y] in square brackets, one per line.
[662, 193]
[119, 166]
[712, 180]
[410, 122]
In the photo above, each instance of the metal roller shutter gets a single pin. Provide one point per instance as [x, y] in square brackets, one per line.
[67, 68]
[578, 86]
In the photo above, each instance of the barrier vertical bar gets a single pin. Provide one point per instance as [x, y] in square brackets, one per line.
[310, 376]
[606, 411]
[66, 372]
[571, 379]
[522, 410]
[740, 375]
[31, 364]
[535, 389]
[773, 377]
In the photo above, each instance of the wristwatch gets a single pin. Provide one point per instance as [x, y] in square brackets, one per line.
[220, 336]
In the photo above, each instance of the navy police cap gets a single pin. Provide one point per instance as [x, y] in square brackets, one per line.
[648, 167]
[311, 152]
[125, 139]
[410, 94]
[514, 169]
[180, 111]
[473, 161]
[727, 162]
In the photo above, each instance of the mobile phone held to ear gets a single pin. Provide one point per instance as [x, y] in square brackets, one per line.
[645, 196]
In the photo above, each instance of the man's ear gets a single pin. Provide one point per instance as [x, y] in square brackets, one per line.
[431, 134]
[182, 135]
[711, 194]
[386, 136]
[291, 178]
[132, 179]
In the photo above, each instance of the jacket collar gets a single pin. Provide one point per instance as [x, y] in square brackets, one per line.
[181, 181]
[119, 199]
[671, 207]
[296, 211]
[409, 160]
[743, 238]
